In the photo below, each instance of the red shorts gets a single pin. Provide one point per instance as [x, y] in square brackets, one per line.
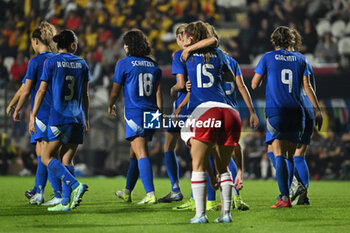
[220, 124]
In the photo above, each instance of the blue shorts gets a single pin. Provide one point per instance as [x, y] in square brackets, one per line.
[309, 129]
[41, 131]
[68, 133]
[284, 128]
[134, 126]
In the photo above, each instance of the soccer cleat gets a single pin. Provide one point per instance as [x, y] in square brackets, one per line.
[37, 199]
[212, 206]
[188, 205]
[59, 207]
[296, 192]
[239, 203]
[77, 194]
[53, 201]
[302, 199]
[170, 197]
[29, 194]
[201, 219]
[225, 219]
[148, 200]
[282, 204]
[122, 195]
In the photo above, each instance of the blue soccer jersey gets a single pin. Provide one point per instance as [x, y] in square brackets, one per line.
[66, 74]
[206, 79]
[140, 78]
[230, 87]
[284, 71]
[179, 67]
[34, 72]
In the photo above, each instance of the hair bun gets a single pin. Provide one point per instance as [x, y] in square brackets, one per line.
[57, 38]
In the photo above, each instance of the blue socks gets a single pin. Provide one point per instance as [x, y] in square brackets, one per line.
[282, 175]
[40, 177]
[132, 175]
[233, 169]
[272, 158]
[66, 190]
[290, 165]
[172, 168]
[302, 170]
[55, 184]
[146, 174]
[60, 171]
[211, 194]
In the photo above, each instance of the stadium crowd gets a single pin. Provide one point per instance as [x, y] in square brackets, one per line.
[100, 24]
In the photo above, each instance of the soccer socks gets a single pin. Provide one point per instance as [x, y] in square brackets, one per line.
[302, 170]
[226, 185]
[40, 176]
[272, 158]
[146, 174]
[172, 168]
[60, 171]
[211, 194]
[55, 183]
[66, 190]
[290, 165]
[282, 175]
[233, 169]
[199, 186]
[132, 176]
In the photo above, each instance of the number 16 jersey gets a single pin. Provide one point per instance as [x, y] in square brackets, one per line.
[66, 74]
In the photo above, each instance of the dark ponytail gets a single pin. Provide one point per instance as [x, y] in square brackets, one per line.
[65, 39]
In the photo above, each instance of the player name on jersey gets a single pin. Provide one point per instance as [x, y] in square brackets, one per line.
[280, 57]
[72, 65]
[142, 63]
[202, 55]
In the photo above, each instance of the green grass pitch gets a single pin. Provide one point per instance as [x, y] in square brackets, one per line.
[101, 211]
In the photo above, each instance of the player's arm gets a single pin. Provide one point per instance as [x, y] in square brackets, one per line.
[159, 98]
[209, 42]
[14, 100]
[254, 121]
[27, 86]
[256, 81]
[113, 97]
[39, 97]
[238, 158]
[313, 99]
[182, 105]
[86, 105]
[180, 84]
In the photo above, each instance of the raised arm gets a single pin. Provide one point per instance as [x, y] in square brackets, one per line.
[27, 86]
[86, 105]
[212, 41]
[313, 99]
[39, 97]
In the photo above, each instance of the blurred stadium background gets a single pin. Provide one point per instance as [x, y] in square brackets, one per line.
[244, 27]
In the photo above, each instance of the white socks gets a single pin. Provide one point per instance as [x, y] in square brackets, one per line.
[226, 185]
[199, 189]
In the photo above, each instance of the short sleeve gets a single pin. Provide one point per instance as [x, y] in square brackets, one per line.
[308, 67]
[235, 66]
[159, 75]
[261, 67]
[47, 71]
[177, 66]
[119, 76]
[31, 71]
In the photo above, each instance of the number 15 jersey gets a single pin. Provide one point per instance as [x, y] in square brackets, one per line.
[284, 71]
[66, 74]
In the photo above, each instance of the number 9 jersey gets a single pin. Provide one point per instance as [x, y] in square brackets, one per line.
[65, 74]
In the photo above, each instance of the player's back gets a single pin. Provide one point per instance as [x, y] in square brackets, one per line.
[230, 87]
[140, 77]
[66, 74]
[285, 71]
[206, 79]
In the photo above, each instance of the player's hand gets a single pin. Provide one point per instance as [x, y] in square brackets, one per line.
[214, 183]
[15, 116]
[177, 113]
[238, 181]
[32, 129]
[185, 53]
[9, 110]
[87, 126]
[254, 121]
[318, 119]
[188, 86]
[173, 93]
[112, 110]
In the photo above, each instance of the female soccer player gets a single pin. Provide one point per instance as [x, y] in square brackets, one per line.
[65, 77]
[140, 78]
[287, 72]
[212, 122]
[43, 47]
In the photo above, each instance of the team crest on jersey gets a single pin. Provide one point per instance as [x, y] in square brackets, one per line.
[151, 120]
